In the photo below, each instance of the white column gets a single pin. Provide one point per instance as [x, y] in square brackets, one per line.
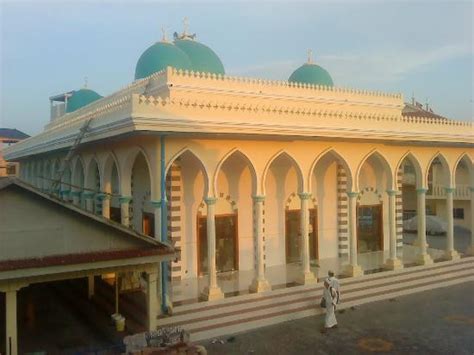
[451, 254]
[89, 200]
[353, 269]
[157, 214]
[470, 249]
[306, 276]
[90, 286]
[11, 343]
[76, 197]
[259, 283]
[393, 263]
[424, 258]
[65, 194]
[105, 199]
[213, 291]
[152, 302]
[125, 210]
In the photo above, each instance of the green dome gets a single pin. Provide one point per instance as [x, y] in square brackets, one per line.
[310, 73]
[203, 59]
[158, 57]
[81, 98]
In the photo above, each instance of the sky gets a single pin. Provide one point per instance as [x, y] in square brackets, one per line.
[413, 47]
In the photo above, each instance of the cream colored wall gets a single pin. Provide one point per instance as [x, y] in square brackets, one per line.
[325, 191]
[193, 192]
[140, 193]
[281, 182]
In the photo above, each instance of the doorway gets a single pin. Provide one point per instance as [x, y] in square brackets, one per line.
[226, 243]
[369, 228]
[148, 224]
[293, 235]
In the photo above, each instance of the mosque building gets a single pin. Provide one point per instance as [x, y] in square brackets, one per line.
[247, 177]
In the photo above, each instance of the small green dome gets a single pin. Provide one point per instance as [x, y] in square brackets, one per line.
[81, 98]
[203, 58]
[158, 57]
[310, 73]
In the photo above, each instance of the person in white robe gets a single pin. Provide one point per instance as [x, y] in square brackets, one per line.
[329, 294]
[334, 282]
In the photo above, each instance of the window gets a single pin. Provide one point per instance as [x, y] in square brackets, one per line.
[458, 213]
[11, 170]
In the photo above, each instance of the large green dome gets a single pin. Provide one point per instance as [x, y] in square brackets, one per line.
[158, 57]
[81, 98]
[203, 58]
[310, 73]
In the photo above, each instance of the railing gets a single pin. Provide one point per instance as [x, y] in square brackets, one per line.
[462, 192]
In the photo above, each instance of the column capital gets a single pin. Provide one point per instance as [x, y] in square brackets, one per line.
[88, 194]
[156, 203]
[392, 192]
[353, 194]
[258, 198]
[449, 190]
[421, 191]
[125, 199]
[210, 201]
[103, 196]
[304, 195]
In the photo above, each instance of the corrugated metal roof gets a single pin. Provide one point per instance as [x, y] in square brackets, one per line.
[12, 133]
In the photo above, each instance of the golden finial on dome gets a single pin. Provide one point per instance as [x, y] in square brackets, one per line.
[185, 26]
[164, 38]
[185, 34]
[310, 56]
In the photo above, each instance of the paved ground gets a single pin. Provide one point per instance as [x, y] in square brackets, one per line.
[434, 322]
[462, 239]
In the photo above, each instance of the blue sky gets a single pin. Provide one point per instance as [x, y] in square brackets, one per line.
[423, 47]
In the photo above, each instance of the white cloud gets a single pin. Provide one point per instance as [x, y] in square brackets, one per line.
[388, 65]
[369, 67]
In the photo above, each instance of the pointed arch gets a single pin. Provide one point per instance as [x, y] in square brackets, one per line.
[90, 179]
[187, 150]
[384, 162]
[413, 159]
[46, 174]
[337, 156]
[78, 173]
[55, 169]
[237, 152]
[469, 164]
[107, 170]
[299, 173]
[446, 171]
[126, 171]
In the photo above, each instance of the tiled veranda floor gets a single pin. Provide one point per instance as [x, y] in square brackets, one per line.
[237, 282]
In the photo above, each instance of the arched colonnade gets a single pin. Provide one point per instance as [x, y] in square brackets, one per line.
[314, 194]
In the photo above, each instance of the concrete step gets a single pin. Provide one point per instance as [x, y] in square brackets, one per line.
[209, 319]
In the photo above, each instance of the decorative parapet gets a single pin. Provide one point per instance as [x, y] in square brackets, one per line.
[305, 118]
[271, 84]
[435, 121]
[176, 100]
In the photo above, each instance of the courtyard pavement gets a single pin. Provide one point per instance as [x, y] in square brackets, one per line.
[439, 321]
[462, 239]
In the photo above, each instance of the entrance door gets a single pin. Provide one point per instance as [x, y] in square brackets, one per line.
[148, 224]
[226, 243]
[293, 235]
[369, 228]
